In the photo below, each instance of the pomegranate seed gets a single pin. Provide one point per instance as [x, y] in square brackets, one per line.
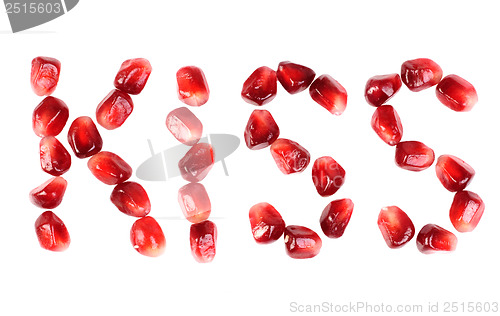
[194, 201]
[51, 232]
[109, 168]
[131, 199]
[301, 242]
[327, 175]
[387, 124]
[185, 126]
[432, 238]
[49, 117]
[203, 240]
[197, 162]
[260, 88]
[396, 227]
[266, 223]
[454, 173]
[466, 211]
[335, 217]
[49, 194]
[54, 158]
[328, 93]
[116, 107]
[147, 237]
[44, 75]
[84, 138]
[290, 157]
[379, 89]
[414, 156]
[294, 77]
[261, 130]
[419, 74]
[456, 93]
[133, 75]
[192, 86]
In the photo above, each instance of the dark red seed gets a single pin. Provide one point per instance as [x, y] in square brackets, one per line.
[396, 227]
[49, 194]
[414, 156]
[419, 74]
[51, 232]
[387, 124]
[133, 75]
[266, 223]
[456, 93]
[197, 162]
[301, 242]
[379, 89]
[203, 240]
[433, 238]
[114, 109]
[327, 175]
[260, 88]
[54, 158]
[294, 77]
[109, 168]
[466, 211]
[454, 173]
[49, 117]
[329, 93]
[45, 75]
[131, 199]
[335, 217]
[192, 86]
[147, 237]
[290, 157]
[261, 130]
[84, 138]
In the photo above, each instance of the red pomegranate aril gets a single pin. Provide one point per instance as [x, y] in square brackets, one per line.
[396, 227]
[454, 173]
[192, 86]
[294, 77]
[329, 93]
[147, 237]
[49, 194]
[290, 157]
[133, 75]
[194, 202]
[54, 158]
[433, 238]
[327, 175]
[260, 88]
[387, 124]
[421, 73]
[114, 109]
[261, 130]
[44, 75]
[131, 199]
[51, 232]
[197, 162]
[203, 240]
[456, 93]
[266, 223]
[49, 117]
[466, 211]
[109, 168]
[184, 125]
[379, 89]
[301, 242]
[84, 138]
[414, 156]
[335, 217]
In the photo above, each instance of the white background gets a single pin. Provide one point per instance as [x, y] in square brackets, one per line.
[102, 274]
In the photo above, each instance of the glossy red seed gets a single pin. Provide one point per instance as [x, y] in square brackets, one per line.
[290, 157]
[294, 77]
[184, 125]
[433, 238]
[327, 175]
[260, 88]
[301, 242]
[379, 89]
[84, 138]
[114, 109]
[109, 168]
[456, 93]
[133, 75]
[335, 217]
[261, 130]
[454, 173]
[197, 162]
[396, 227]
[414, 156]
[54, 158]
[49, 194]
[329, 93]
[203, 240]
[194, 202]
[466, 211]
[147, 237]
[192, 86]
[387, 124]
[266, 223]
[44, 75]
[131, 199]
[419, 74]
[51, 232]
[49, 117]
